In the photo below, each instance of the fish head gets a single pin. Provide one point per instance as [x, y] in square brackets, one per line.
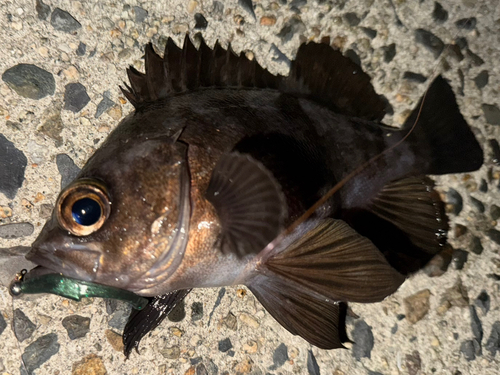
[124, 220]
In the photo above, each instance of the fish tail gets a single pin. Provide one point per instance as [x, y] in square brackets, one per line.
[438, 124]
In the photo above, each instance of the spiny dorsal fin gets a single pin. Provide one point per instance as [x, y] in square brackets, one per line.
[187, 69]
[319, 73]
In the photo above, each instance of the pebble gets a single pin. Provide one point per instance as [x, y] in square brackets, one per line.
[482, 79]
[483, 302]
[197, 311]
[218, 8]
[459, 230]
[67, 169]
[459, 258]
[417, 305]
[279, 56]
[493, 342]
[230, 321]
[389, 52]
[23, 327]
[312, 364]
[466, 23]
[362, 337]
[3, 324]
[173, 352]
[250, 347]
[476, 326]
[495, 151]
[483, 186]
[16, 230]
[293, 26]
[115, 340]
[222, 293]
[413, 363]
[225, 345]
[453, 50]
[414, 77]
[469, 349]
[176, 331]
[191, 6]
[491, 113]
[249, 320]
[63, 21]
[477, 204]
[280, 356]
[82, 48]
[495, 212]
[454, 296]
[178, 313]
[12, 166]
[475, 59]
[268, 21]
[370, 33]
[42, 10]
[77, 326]
[430, 41]
[353, 56]
[201, 369]
[89, 365]
[455, 199]
[30, 81]
[200, 21]
[105, 104]
[140, 14]
[439, 14]
[248, 6]
[475, 245]
[39, 351]
[394, 328]
[494, 235]
[52, 125]
[120, 316]
[351, 19]
[75, 97]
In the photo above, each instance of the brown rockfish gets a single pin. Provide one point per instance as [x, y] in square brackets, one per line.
[207, 182]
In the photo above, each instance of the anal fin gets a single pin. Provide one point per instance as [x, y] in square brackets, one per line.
[412, 205]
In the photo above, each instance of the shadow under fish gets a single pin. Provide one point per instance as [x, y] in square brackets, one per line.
[220, 157]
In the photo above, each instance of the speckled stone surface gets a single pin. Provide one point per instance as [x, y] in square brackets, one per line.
[400, 44]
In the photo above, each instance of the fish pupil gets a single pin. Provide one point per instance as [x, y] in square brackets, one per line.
[86, 211]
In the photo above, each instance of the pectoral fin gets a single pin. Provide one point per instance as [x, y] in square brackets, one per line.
[323, 264]
[249, 202]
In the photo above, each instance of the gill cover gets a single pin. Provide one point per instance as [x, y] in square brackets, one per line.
[124, 221]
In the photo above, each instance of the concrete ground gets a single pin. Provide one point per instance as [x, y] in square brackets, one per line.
[448, 324]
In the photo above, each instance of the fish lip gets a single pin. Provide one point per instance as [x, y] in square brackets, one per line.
[65, 261]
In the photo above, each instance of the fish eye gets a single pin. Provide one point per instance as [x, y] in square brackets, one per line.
[83, 207]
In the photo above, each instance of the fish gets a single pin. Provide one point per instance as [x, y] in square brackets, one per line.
[224, 175]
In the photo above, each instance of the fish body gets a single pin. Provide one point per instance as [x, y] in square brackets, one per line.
[220, 158]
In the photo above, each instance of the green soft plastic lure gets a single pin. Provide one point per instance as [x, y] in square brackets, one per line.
[74, 289]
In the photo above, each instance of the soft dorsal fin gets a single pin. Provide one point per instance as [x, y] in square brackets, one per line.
[326, 76]
[318, 73]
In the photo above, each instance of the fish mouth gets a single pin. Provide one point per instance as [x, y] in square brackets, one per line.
[77, 262]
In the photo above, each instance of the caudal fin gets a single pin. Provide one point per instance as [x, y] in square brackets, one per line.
[442, 138]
